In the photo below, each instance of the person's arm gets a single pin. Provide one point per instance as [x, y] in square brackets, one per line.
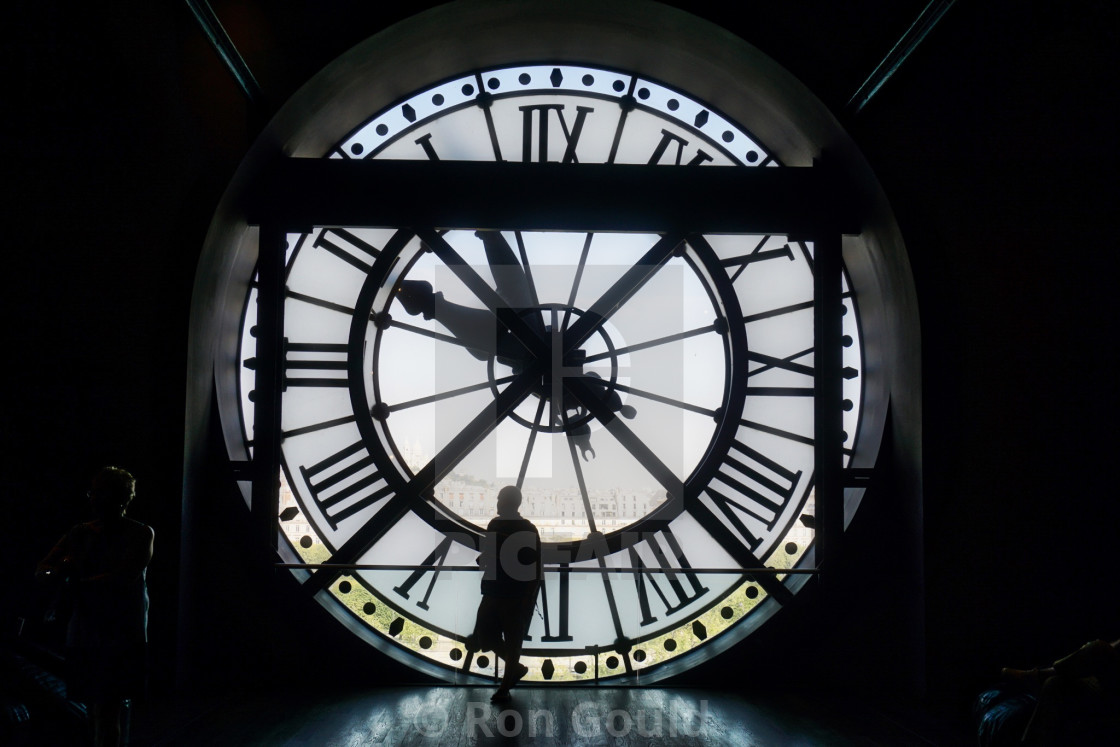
[58, 560]
[488, 551]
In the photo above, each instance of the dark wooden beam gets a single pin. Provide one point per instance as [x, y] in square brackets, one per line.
[219, 39]
[930, 16]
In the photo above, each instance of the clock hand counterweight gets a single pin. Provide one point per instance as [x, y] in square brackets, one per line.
[597, 403]
[478, 330]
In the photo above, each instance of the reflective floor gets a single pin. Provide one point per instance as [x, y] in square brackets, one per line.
[439, 715]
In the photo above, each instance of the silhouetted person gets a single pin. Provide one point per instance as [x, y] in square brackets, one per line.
[104, 562]
[511, 579]
[1084, 684]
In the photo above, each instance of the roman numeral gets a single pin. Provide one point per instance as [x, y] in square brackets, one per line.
[559, 609]
[757, 255]
[425, 142]
[669, 139]
[422, 482]
[684, 586]
[330, 362]
[346, 246]
[340, 503]
[436, 559]
[571, 136]
[789, 363]
[753, 483]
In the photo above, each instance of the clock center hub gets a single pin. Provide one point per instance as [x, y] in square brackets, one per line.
[566, 414]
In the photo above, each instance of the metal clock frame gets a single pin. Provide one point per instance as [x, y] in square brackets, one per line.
[806, 204]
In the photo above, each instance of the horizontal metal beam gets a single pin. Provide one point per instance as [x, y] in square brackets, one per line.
[298, 193]
[547, 568]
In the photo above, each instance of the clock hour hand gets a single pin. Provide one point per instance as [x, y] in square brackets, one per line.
[581, 437]
[476, 329]
[510, 278]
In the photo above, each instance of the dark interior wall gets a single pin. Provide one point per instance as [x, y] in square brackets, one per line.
[998, 150]
[994, 143]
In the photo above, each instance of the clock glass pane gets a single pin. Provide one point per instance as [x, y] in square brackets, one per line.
[652, 395]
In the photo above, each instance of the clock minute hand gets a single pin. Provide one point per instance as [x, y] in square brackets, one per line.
[619, 293]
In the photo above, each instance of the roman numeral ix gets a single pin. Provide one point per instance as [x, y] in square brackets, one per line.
[337, 501]
[539, 124]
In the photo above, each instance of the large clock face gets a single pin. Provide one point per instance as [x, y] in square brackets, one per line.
[651, 394]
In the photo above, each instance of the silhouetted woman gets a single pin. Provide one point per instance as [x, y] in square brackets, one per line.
[104, 561]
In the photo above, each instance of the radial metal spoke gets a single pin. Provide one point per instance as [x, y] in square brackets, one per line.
[759, 316]
[534, 299]
[318, 302]
[623, 289]
[531, 442]
[528, 268]
[449, 394]
[430, 333]
[664, 400]
[650, 343]
[489, 297]
[576, 281]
